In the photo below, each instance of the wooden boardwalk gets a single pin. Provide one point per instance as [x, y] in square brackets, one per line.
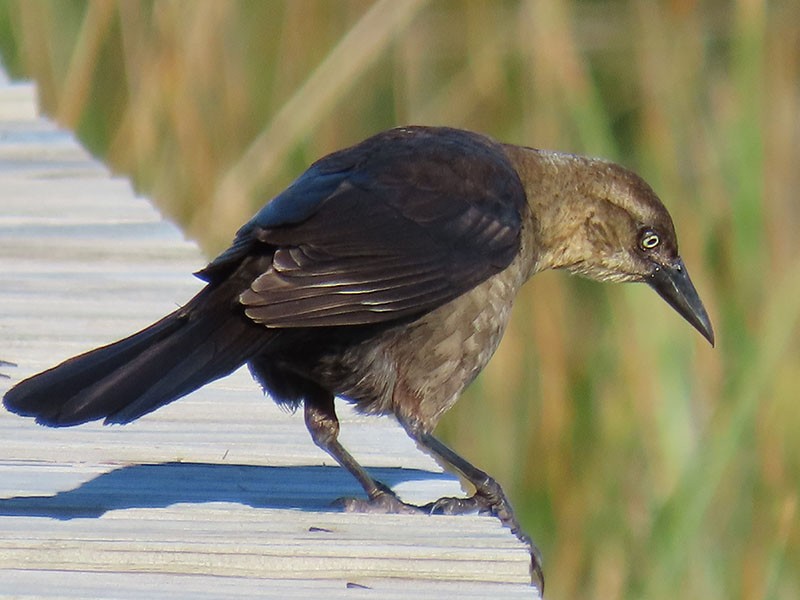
[219, 495]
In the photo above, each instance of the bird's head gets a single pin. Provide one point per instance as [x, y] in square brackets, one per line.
[606, 223]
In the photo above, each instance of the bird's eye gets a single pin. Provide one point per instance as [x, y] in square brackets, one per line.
[649, 239]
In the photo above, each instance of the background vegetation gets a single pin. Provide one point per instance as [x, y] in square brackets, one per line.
[646, 464]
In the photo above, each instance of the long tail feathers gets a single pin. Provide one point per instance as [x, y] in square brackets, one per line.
[203, 341]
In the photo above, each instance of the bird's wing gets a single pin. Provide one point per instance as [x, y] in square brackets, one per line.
[386, 230]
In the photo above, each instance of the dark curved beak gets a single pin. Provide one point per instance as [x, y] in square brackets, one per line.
[673, 284]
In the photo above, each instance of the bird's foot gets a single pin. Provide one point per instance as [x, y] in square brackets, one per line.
[491, 502]
[460, 506]
[495, 504]
[383, 502]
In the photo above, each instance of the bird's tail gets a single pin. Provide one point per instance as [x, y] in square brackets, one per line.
[206, 339]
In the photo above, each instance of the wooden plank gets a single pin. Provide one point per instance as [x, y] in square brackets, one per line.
[18, 101]
[219, 495]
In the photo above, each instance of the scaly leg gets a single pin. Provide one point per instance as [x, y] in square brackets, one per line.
[323, 425]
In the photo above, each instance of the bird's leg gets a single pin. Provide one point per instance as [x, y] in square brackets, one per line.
[489, 498]
[323, 425]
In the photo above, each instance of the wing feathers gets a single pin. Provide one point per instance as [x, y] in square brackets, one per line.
[328, 310]
[397, 225]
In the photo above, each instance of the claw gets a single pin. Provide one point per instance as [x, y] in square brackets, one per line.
[457, 506]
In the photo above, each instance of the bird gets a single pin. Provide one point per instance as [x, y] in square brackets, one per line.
[384, 275]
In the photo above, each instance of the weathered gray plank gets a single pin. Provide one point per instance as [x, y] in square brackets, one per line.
[219, 495]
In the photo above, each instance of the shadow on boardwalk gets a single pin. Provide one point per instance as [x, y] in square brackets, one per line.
[312, 488]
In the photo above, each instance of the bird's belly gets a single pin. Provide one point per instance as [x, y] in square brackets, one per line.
[418, 370]
[448, 350]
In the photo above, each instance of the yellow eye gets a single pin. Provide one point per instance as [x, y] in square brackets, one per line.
[649, 240]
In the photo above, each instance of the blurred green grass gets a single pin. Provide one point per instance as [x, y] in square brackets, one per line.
[644, 463]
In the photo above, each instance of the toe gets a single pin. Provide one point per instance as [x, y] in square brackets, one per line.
[383, 503]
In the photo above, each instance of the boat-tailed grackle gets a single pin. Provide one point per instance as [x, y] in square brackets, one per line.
[385, 275]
